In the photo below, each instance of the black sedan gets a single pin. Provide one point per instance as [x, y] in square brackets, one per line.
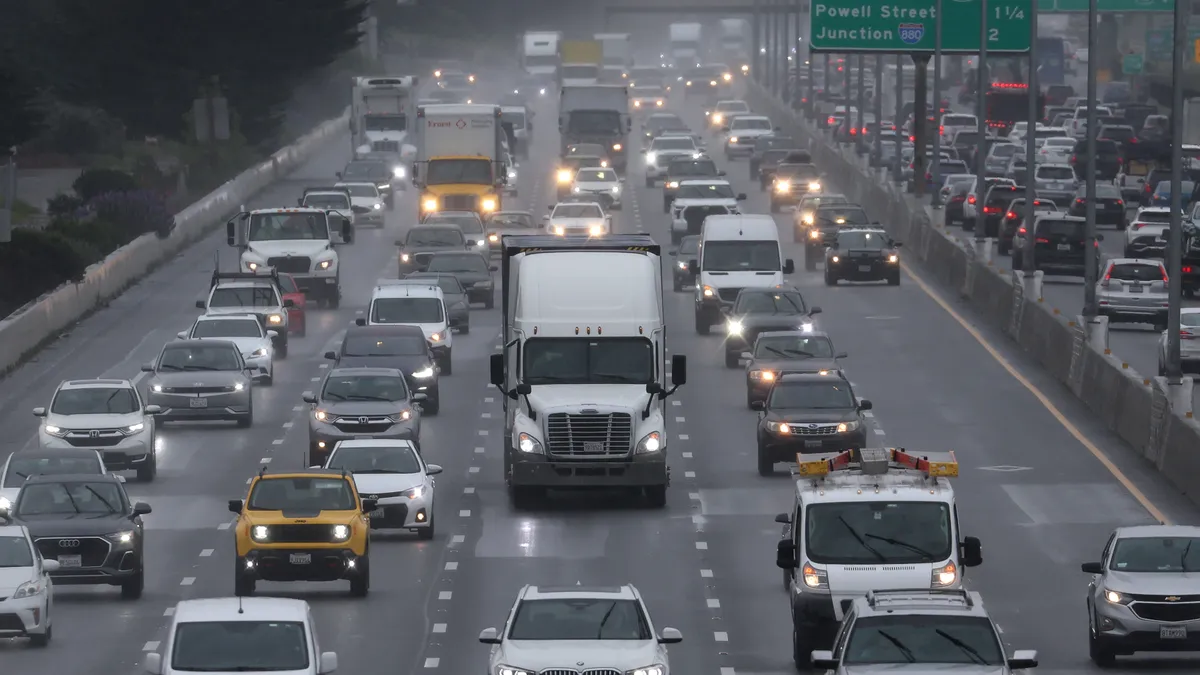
[757, 310]
[777, 353]
[827, 221]
[397, 346]
[862, 254]
[473, 272]
[423, 241]
[1110, 206]
[88, 524]
[808, 412]
[681, 271]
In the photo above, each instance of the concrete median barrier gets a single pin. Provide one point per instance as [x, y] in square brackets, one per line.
[29, 328]
[1153, 419]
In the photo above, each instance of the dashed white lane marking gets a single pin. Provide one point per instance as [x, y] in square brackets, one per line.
[249, 480]
[323, 365]
[432, 662]
[721, 636]
[676, 402]
[489, 399]
[684, 437]
[457, 539]
[288, 425]
[868, 414]
[726, 670]
[483, 432]
[694, 495]
[451, 566]
[277, 441]
[464, 513]
[445, 595]
[687, 455]
[439, 628]
[680, 419]
[315, 379]
[473, 469]
[468, 491]
[707, 574]
[714, 603]
[297, 408]
[265, 460]
[224, 526]
[689, 474]
[880, 432]
[170, 611]
[479, 451]
[151, 646]
[206, 553]
[485, 415]
[702, 546]
[187, 581]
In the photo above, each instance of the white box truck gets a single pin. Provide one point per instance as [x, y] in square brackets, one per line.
[540, 56]
[685, 44]
[596, 113]
[460, 158]
[583, 371]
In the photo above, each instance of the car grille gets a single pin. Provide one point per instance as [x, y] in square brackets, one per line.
[1173, 611]
[571, 671]
[300, 533]
[459, 202]
[202, 391]
[386, 146]
[812, 429]
[290, 265]
[92, 551]
[728, 294]
[94, 438]
[363, 425]
[589, 434]
[11, 622]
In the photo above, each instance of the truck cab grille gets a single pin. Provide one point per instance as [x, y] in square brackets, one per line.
[290, 264]
[459, 202]
[386, 146]
[589, 435]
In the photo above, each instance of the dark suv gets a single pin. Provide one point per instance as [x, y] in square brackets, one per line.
[1014, 217]
[995, 205]
[764, 143]
[763, 309]
[808, 412]
[1060, 246]
[1110, 205]
[686, 169]
[1108, 159]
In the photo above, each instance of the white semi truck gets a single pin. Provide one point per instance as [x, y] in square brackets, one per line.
[583, 369]
[540, 55]
[686, 44]
[596, 113]
[381, 111]
[735, 43]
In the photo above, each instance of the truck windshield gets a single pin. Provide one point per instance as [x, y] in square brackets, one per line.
[385, 123]
[862, 532]
[407, 310]
[597, 122]
[741, 256]
[588, 361]
[459, 172]
[579, 72]
[286, 226]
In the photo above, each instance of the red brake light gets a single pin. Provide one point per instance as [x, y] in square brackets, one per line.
[864, 130]
[1021, 230]
[1138, 226]
[1072, 159]
[1079, 201]
[1120, 160]
[830, 120]
[1164, 273]
[1148, 188]
[941, 130]
[1096, 244]
[1010, 215]
[1120, 202]
[1043, 240]
[971, 199]
[912, 139]
[1186, 334]
[991, 209]
[1187, 269]
[854, 131]
[1133, 140]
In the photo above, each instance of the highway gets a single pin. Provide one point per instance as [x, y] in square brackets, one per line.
[1038, 498]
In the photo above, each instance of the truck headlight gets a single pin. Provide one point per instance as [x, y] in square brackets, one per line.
[782, 186]
[404, 257]
[764, 375]
[528, 444]
[637, 104]
[734, 327]
[435, 337]
[398, 172]
[944, 576]
[341, 532]
[651, 157]
[260, 533]
[814, 186]
[708, 291]
[616, 189]
[429, 204]
[575, 189]
[718, 118]
[325, 264]
[563, 176]
[275, 319]
[651, 442]
[493, 237]
[813, 577]
[596, 230]
[733, 140]
[673, 185]
[617, 147]
[252, 266]
[558, 229]
[813, 234]
[489, 205]
[893, 258]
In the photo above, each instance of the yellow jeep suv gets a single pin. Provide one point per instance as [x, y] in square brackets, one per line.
[302, 526]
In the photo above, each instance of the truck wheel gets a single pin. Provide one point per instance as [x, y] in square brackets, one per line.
[656, 495]
[666, 206]
[830, 280]
[810, 258]
[731, 359]
[775, 208]
[802, 646]
[894, 279]
[766, 467]
[335, 299]
[282, 351]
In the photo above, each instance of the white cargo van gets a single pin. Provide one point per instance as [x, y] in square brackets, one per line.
[736, 252]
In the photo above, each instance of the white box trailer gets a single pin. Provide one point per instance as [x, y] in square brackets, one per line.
[540, 55]
[381, 110]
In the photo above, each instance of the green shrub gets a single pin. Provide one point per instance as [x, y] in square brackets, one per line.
[36, 262]
[95, 182]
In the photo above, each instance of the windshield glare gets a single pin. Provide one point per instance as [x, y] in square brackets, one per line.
[458, 171]
[198, 356]
[215, 646]
[832, 394]
[588, 361]
[462, 262]
[577, 210]
[365, 170]
[287, 226]
[966, 640]
[384, 345]
[365, 388]
[693, 168]
[301, 494]
[326, 202]
[740, 256]
[862, 533]
[579, 619]
[597, 122]
[407, 310]
[705, 192]
[15, 551]
[596, 176]
[20, 468]
[435, 236]
[95, 401]
[248, 296]
[769, 303]
[376, 459]
[793, 347]
[230, 328]
[41, 499]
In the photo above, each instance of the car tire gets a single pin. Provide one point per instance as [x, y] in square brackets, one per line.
[801, 649]
[766, 467]
[246, 421]
[666, 206]
[432, 405]
[702, 325]
[334, 301]
[750, 400]
[282, 350]
[1101, 655]
[131, 588]
[360, 584]
[894, 279]
[650, 182]
[524, 497]
[830, 280]
[426, 533]
[147, 471]
[676, 286]
[656, 495]
[731, 359]
[42, 639]
[810, 258]
[775, 208]
[268, 380]
[490, 302]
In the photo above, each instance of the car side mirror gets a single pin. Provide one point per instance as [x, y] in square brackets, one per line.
[724, 128]
[200, 304]
[308, 397]
[332, 356]
[432, 469]
[673, 252]
[288, 302]
[153, 664]
[897, 244]
[39, 412]
[1092, 567]
[272, 333]
[670, 636]
[865, 405]
[783, 518]
[1023, 659]
[678, 370]
[692, 264]
[182, 335]
[148, 367]
[972, 552]
[235, 506]
[369, 505]
[841, 355]
[741, 196]
[758, 405]
[153, 409]
[814, 311]
[141, 508]
[50, 566]
[420, 397]
[789, 266]
[746, 356]
[328, 664]
[360, 321]
[545, 219]
[488, 636]
[822, 659]
[785, 555]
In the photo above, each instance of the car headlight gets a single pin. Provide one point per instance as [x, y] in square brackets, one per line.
[541, 92]
[493, 237]
[5, 504]
[341, 532]
[238, 386]
[424, 373]
[404, 257]
[435, 337]
[404, 416]
[651, 157]
[260, 533]
[1116, 597]
[564, 176]
[604, 163]
[134, 428]
[712, 83]
[807, 327]
[651, 442]
[429, 204]
[30, 588]
[156, 388]
[274, 319]
[734, 327]
[321, 416]
[717, 118]
[893, 258]
[647, 670]
[558, 229]
[575, 189]
[682, 265]
[845, 427]
[324, 264]
[658, 103]
[944, 576]
[377, 206]
[779, 427]
[727, 77]
[617, 147]
[764, 375]
[708, 291]
[616, 189]
[489, 205]
[814, 186]
[124, 537]
[813, 577]
[257, 353]
[414, 493]
[733, 140]
[809, 218]
[509, 670]
[596, 230]
[673, 184]
[782, 186]
[528, 444]
[688, 83]
[252, 266]
[398, 172]
[512, 175]
[637, 104]
[836, 259]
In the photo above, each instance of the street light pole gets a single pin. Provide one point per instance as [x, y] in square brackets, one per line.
[859, 122]
[877, 149]
[1174, 368]
[982, 83]
[898, 173]
[936, 169]
[1027, 265]
[1090, 261]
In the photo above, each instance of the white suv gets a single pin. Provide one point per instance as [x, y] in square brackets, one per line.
[405, 303]
[560, 629]
[105, 415]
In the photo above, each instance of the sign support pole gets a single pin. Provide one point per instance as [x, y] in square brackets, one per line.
[1031, 145]
[1174, 368]
[983, 82]
[936, 167]
[1090, 259]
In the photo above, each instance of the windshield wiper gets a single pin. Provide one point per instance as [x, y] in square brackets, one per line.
[165, 366]
[190, 368]
[366, 397]
[801, 352]
[966, 648]
[72, 500]
[863, 542]
[613, 377]
[600, 632]
[904, 651]
[104, 501]
[902, 544]
[547, 379]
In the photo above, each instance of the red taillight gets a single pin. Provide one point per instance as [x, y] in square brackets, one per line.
[1079, 201]
[864, 130]
[1095, 244]
[1072, 159]
[971, 199]
[1010, 215]
[1187, 335]
[941, 130]
[1133, 140]
[853, 131]
[1164, 273]
[1021, 230]
[1121, 202]
[830, 121]
[1043, 240]
[1148, 188]
[1187, 269]
[1120, 160]
[1138, 226]
[991, 209]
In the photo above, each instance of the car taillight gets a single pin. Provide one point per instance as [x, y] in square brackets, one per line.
[864, 130]
[830, 121]
[971, 199]
[1010, 215]
[1079, 201]
[1120, 161]
[1187, 269]
[941, 130]
[1148, 188]
[1133, 140]
[1120, 202]
[1138, 226]
[853, 131]
[1095, 244]
[1021, 230]
[1187, 335]
[991, 209]
[1043, 240]
[912, 139]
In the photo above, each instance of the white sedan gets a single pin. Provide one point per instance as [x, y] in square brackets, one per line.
[366, 202]
[26, 591]
[395, 475]
[578, 219]
[598, 182]
[1056, 150]
[243, 330]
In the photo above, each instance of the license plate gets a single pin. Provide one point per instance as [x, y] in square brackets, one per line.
[377, 513]
[1172, 633]
[198, 403]
[812, 444]
[864, 268]
[65, 561]
[300, 558]
[593, 446]
[1064, 247]
[1136, 288]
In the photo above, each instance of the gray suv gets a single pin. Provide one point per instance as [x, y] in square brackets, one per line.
[361, 403]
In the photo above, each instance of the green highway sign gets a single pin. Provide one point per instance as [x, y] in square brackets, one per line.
[1131, 64]
[906, 26]
[1119, 6]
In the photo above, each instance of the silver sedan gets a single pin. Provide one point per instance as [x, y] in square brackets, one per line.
[197, 380]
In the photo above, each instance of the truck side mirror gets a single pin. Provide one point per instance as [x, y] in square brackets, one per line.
[678, 370]
[785, 555]
[496, 367]
[972, 552]
[231, 237]
[347, 231]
